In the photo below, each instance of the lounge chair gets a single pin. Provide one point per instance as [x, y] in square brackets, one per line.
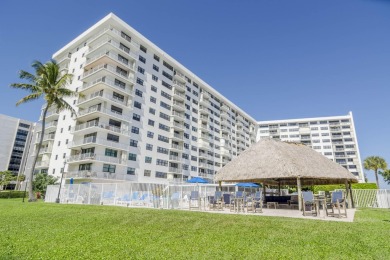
[227, 199]
[257, 202]
[216, 201]
[293, 201]
[308, 204]
[239, 201]
[338, 202]
[194, 201]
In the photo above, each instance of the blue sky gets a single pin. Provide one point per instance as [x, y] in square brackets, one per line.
[275, 59]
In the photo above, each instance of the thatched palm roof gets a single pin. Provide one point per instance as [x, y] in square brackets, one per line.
[270, 161]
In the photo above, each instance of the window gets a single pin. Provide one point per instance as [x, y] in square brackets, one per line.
[138, 92]
[167, 65]
[148, 159]
[85, 167]
[133, 143]
[125, 36]
[136, 117]
[150, 134]
[147, 173]
[135, 130]
[113, 138]
[152, 111]
[166, 84]
[156, 68]
[162, 150]
[137, 104]
[157, 58]
[154, 78]
[154, 89]
[149, 147]
[163, 138]
[124, 48]
[163, 127]
[109, 168]
[118, 97]
[119, 83]
[141, 59]
[166, 95]
[132, 157]
[141, 70]
[164, 116]
[143, 48]
[150, 122]
[140, 81]
[111, 153]
[161, 175]
[167, 75]
[162, 162]
[153, 99]
[165, 105]
[130, 171]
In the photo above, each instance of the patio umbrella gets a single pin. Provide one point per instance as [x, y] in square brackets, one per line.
[197, 180]
[247, 185]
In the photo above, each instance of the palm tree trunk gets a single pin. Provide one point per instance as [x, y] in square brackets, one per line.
[30, 179]
[377, 180]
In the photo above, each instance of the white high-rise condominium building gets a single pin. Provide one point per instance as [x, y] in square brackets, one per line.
[143, 116]
[335, 137]
[15, 140]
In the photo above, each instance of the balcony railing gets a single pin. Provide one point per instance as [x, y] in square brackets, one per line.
[113, 43]
[108, 82]
[42, 164]
[101, 175]
[94, 140]
[123, 101]
[177, 147]
[103, 126]
[114, 113]
[181, 115]
[110, 68]
[177, 136]
[95, 157]
[175, 170]
[112, 55]
[174, 157]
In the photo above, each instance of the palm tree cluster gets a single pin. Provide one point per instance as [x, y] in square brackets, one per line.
[50, 84]
[376, 163]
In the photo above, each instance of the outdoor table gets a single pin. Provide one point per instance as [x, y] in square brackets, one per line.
[272, 203]
[318, 201]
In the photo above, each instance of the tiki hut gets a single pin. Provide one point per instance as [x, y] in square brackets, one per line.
[284, 163]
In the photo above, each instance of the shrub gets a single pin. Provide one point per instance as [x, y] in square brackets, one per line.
[11, 194]
[355, 186]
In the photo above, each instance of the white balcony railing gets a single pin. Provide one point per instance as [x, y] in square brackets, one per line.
[95, 157]
[126, 88]
[110, 68]
[114, 56]
[103, 126]
[99, 141]
[114, 113]
[101, 175]
[123, 101]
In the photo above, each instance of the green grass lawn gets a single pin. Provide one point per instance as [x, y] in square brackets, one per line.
[51, 231]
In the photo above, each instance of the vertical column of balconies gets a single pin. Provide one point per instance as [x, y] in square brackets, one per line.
[102, 132]
[176, 138]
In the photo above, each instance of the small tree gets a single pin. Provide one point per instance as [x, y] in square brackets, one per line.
[375, 163]
[386, 175]
[41, 181]
[5, 178]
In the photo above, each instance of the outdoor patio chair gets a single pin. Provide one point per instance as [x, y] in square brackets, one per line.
[216, 201]
[308, 204]
[258, 201]
[227, 199]
[293, 201]
[338, 202]
[175, 200]
[194, 201]
[239, 200]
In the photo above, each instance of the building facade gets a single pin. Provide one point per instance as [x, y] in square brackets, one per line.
[334, 137]
[143, 116]
[15, 141]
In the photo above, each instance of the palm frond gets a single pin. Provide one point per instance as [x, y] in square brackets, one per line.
[29, 98]
[27, 76]
[29, 87]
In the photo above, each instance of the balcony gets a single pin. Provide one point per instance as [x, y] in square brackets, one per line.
[204, 118]
[109, 43]
[174, 158]
[101, 175]
[225, 108]
[206, 137]
[204, 145]
[178, 116]
[46, 150]
[111, 31]
[179, 96]
[203, 127]
[106, 81]
[178, 126]
[179, 76]
[46, 137]
[99, 95]
[225, 152]
[176, 137]
[92, 141]
[50, 115]
[102, 69]
[205, 156]
[179, 86]
[42, 164]
[176, 147]
[175, 170]
[96, 109]
[108, 57]
[224, 115]
[50, 126]
[179, 106]
[64, 59]
[80, 129]
[224, 129]
[90, 157]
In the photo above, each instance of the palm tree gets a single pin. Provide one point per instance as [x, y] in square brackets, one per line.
[375, 163]
[386, 175]
[49, 83]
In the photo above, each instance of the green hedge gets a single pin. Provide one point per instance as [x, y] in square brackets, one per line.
[356, 186]
[11, 194]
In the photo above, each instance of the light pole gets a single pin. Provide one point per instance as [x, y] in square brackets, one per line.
[59, 190]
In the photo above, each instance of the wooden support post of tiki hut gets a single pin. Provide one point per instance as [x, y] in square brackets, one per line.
[299, 193]
[350, 193]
